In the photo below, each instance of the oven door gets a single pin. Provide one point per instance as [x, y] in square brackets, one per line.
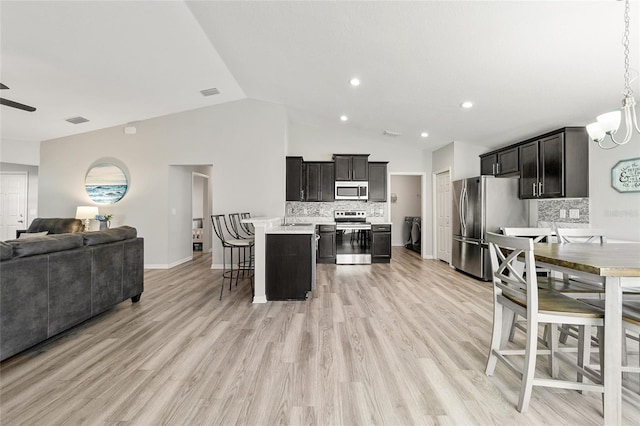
[353, 245]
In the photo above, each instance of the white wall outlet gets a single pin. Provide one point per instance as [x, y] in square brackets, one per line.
[563, 213]
[574, 213]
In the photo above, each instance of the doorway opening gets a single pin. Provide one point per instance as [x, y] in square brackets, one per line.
[200, 213]
[407, 212]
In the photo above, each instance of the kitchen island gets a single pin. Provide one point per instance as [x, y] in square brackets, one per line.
[265, 226]
[290, 261]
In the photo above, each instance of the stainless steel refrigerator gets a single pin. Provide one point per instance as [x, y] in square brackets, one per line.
[482, 204]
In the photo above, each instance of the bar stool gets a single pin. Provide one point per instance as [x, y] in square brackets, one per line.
[229, 243]
[237, 231]
[247, 227]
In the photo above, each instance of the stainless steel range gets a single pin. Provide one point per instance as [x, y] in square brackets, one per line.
[353, 237]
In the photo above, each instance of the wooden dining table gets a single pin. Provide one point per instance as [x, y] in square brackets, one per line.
[618, 266]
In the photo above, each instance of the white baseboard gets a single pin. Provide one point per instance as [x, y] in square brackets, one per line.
[261, 299]
[220, 266]
[167, 265]
[156, 266]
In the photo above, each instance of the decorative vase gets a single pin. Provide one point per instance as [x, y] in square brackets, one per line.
[104, 225]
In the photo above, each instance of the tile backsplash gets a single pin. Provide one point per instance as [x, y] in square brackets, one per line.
[558, 212]
[298, 209]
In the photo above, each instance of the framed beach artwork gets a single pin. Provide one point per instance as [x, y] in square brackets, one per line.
[106, 183]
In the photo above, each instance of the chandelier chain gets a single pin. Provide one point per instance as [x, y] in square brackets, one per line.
[628, 92]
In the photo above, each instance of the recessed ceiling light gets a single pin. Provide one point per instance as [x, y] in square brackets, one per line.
[354, 81]
[344, 118]
[424, 135]
[466, 104]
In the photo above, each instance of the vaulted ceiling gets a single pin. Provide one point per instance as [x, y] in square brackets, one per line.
[528, 66]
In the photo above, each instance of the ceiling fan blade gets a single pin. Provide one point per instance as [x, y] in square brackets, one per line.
[2, 86]
[12, 104]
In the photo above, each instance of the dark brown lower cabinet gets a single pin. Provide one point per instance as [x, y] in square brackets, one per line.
[327, 244]
[380, 243]
[290, 266]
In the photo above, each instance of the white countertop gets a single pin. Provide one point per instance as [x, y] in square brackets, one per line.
[288, 229]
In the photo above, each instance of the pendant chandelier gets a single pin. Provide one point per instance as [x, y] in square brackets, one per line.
[608, 124]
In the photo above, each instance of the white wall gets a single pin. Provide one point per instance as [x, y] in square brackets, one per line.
[20, 152]
[617, 213]
[466, 160]
[180, 219]
[244, 141]
[409, 203]
[319, 143]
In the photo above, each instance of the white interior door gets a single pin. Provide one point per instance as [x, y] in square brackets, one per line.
[13, 204]
[443, 222]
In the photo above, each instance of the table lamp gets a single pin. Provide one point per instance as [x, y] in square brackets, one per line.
[86, 213]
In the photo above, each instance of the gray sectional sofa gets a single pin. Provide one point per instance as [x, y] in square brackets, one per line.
[49, 284]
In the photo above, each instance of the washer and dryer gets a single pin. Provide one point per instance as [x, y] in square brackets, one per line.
[412, 232]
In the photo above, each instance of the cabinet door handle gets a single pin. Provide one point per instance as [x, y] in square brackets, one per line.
[498, 168]
[539, 189]
[534, 189]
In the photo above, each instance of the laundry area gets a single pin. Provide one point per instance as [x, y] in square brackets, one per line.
[412, 231]
[406, 211]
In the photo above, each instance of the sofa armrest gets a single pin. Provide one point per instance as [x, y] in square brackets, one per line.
[20, 231]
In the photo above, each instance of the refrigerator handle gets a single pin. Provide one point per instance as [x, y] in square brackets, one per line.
[463, 210]
[460, 211]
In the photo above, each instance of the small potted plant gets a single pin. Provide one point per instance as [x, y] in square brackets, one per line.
[105, 221]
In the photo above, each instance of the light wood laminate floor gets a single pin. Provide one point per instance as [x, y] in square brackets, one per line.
[401, 343]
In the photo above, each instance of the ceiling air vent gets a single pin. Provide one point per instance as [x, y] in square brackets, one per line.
[391, 133]
[209, 92]
[76, 120]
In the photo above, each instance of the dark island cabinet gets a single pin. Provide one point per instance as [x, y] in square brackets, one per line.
[502, 163]
[556, 165]
[351, 167]
[378, 181]
[319, 181]
[294, 179]
[326, 244]
[290, 266]
[380, 243]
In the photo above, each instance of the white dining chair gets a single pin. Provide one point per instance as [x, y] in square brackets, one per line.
[581, 235]
[516, 292]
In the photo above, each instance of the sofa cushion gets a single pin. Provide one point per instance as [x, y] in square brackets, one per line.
[109, 236]
[56, 225]
[45, 244]
[27, 235]
[6, 251]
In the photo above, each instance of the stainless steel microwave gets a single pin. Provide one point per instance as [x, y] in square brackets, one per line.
[350, 190]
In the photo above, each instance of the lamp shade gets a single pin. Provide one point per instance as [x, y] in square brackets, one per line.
[610, 121]
[595, 132]
[86, 212]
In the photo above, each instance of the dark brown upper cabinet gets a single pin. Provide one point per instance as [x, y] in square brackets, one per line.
[502, 163]
[377, 181]
[319, 181]
[555, 165]
[351, 166]
[294, 179]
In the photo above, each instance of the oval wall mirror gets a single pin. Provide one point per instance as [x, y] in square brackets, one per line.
[106, 183]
